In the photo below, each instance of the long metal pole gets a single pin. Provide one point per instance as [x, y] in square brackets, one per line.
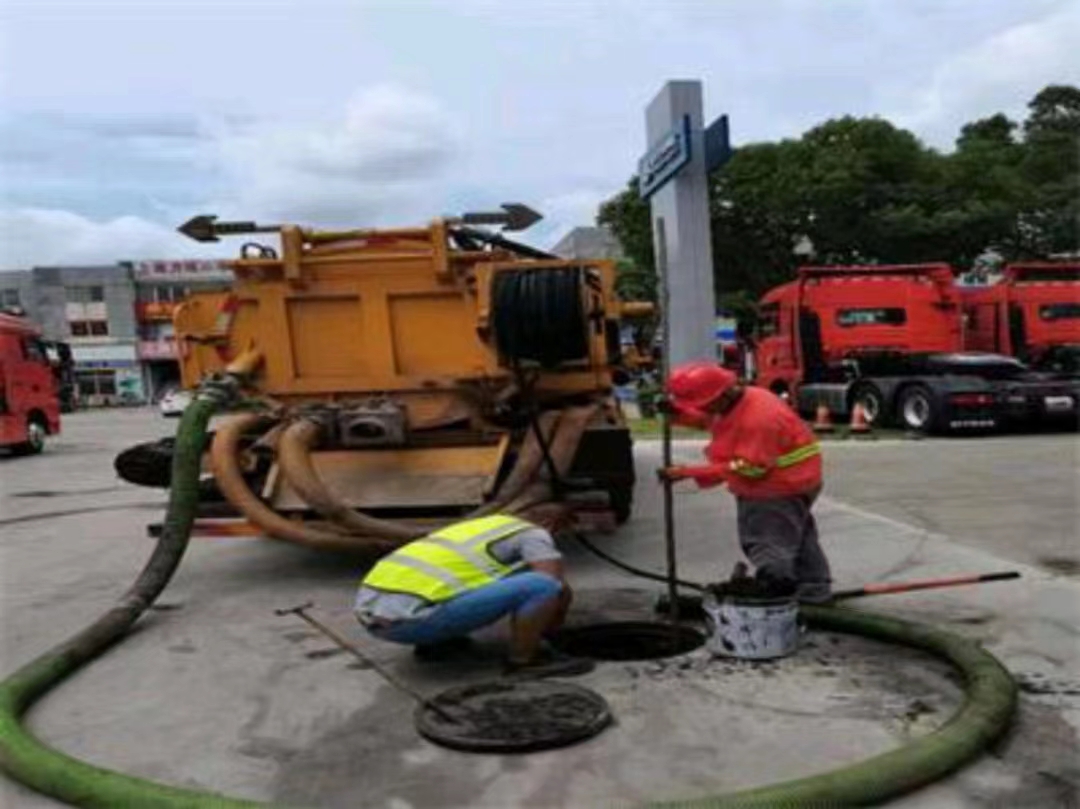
[665, 418]
[341, 641]
[884, 588]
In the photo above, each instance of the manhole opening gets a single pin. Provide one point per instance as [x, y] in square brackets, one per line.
[628, 640]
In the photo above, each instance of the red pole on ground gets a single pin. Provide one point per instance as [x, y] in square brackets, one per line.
[885, 588]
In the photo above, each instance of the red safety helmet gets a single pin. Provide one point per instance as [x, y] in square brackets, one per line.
[698, 384]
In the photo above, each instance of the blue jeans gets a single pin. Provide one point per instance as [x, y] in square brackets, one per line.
[520, 594]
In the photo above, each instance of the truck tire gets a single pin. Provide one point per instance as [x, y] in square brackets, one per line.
[917, 409]
[621, 498]
[147, 464]
[873, 404]
[36, 430]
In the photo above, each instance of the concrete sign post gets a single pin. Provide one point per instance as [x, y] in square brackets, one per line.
[673, 177]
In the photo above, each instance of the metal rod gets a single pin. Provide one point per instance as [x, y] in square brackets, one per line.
[885, 588]
[355, 652]
[665, 419]
[693, 602]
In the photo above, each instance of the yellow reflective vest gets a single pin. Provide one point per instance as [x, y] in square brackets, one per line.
[448, 562]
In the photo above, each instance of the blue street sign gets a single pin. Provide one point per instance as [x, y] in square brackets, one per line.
[664, 159]
[717, 144]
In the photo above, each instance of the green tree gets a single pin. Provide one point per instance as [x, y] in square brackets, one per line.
[983, 192]
[627, 215]
[634, 282]
[1051, 165]
[758, 212]
[862, 190]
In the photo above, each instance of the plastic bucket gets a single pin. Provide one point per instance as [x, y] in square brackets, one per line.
[752, 629]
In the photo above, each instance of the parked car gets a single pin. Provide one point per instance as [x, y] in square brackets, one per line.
[174, 402]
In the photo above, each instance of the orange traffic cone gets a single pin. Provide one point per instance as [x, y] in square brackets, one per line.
[822, 420]
[859, 424]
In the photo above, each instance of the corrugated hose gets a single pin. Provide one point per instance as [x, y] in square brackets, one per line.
[985, 715]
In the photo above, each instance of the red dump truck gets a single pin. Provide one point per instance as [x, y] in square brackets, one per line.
[891, 339]
[1032, 313]
[29, 396]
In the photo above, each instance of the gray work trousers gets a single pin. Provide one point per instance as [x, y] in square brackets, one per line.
[779, 536]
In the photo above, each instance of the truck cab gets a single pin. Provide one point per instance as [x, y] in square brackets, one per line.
[889, 339]
[29, 401]
[809, 327]
[1032, 313]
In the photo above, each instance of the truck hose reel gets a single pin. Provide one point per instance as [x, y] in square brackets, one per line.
[539, 316]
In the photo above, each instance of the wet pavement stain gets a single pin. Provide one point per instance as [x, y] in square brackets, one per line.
[167, 606]
[1040, 750]
[299, 636]
[65, 492]
[375, 757]
[1040, 684]
[1063, 565]
[322, 654]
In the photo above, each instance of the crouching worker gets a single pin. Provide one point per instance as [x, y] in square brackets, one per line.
[769, 460]
[434, 591]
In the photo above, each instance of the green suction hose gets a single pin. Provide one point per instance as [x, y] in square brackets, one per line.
[49, 771]
[985, 715]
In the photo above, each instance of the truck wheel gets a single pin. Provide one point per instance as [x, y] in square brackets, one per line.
[621, 498]
[147, 464]
[35, 437]
[917, 409]
[150, 464]
[873, 405]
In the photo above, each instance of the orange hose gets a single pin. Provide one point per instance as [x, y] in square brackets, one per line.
[224, 461]
[294, 460]
[522, 490]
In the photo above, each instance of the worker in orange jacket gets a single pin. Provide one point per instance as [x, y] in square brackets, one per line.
[769, 460]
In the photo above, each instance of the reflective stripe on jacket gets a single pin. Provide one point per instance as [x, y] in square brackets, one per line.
[761, 449]
[447, 562]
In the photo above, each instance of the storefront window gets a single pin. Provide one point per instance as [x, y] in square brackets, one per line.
[96, 383]
[89, 328]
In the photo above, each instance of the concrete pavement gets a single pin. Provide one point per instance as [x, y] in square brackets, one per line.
[216, 692]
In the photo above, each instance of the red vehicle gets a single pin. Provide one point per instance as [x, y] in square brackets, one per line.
[1032, 313]
[830, 314]
[890, 339]
[29, 400]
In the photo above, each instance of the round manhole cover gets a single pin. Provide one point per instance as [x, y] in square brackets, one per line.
[628, 640]
[513, 716]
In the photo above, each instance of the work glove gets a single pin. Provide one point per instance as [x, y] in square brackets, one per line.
[671, 474]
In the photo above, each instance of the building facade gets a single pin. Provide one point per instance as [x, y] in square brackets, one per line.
[588, 242]
[159, 288]
[117, 319]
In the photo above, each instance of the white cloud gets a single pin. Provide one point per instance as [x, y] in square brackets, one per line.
[1001, 73]
[485, 102]
[379, 159]
[39, 236]
[565, 212]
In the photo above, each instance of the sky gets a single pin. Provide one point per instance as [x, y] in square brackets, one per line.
[121, 119]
